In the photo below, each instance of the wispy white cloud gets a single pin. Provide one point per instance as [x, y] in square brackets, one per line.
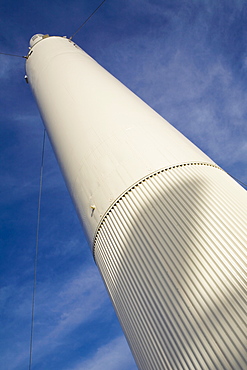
[59, 311]
[9, 65]
[114, 355]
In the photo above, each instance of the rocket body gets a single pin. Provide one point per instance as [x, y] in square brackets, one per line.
[166, 225]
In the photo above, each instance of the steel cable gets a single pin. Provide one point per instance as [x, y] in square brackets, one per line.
[36, 251]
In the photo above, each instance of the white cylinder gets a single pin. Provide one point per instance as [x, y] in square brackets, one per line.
[167, 226]
[104, 136]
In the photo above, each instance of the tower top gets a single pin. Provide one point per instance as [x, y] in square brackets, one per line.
[36, 38]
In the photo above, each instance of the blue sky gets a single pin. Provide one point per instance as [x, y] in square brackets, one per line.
[185, 58]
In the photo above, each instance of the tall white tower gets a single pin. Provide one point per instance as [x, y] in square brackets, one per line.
[167, 226]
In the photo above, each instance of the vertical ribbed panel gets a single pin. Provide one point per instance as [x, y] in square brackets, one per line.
[171, 253]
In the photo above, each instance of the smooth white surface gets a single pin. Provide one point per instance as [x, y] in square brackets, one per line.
[105, 137]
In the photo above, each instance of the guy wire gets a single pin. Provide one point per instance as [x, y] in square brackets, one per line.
[87, 20]
[14, 55]
[36, 250]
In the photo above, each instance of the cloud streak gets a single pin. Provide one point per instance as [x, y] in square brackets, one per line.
[60, 310]
[114, 355]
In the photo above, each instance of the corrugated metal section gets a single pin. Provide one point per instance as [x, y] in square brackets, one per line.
[171, 253]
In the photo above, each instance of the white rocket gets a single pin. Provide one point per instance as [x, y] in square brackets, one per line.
[166, 225]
